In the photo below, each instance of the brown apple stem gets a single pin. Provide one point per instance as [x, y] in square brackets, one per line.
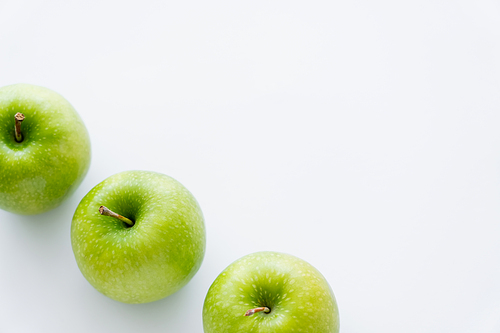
[253, 311]
[106, 212]
[19, 119]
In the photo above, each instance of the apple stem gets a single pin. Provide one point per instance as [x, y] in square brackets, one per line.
[19, 119]
[253, 311]
[106, 212]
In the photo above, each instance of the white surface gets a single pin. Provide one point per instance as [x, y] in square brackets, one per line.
[360, 136]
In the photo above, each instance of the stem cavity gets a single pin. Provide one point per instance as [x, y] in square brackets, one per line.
[19, 119]
[106, 212]
[253, 311]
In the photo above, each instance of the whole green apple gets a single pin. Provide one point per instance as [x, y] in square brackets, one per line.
[270, 292]
[138, 236]
[44, 149]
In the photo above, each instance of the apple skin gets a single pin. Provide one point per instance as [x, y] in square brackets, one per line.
[298, 296]
[152, 259]
[39, 173]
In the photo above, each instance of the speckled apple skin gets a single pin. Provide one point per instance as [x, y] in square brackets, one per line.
[152, 259]
[37, 174]
[298, 295]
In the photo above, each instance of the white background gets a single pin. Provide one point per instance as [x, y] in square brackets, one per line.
[361, 136]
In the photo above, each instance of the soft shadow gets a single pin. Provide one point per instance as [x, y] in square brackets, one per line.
[43, 231]
[174, 313]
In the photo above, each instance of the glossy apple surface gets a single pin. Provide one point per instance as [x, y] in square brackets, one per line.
[153, 258]
[52, 159]
[297, 295]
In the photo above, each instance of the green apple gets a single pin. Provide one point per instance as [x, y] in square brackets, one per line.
[44, 149]
[138, 236]
[270, 292]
